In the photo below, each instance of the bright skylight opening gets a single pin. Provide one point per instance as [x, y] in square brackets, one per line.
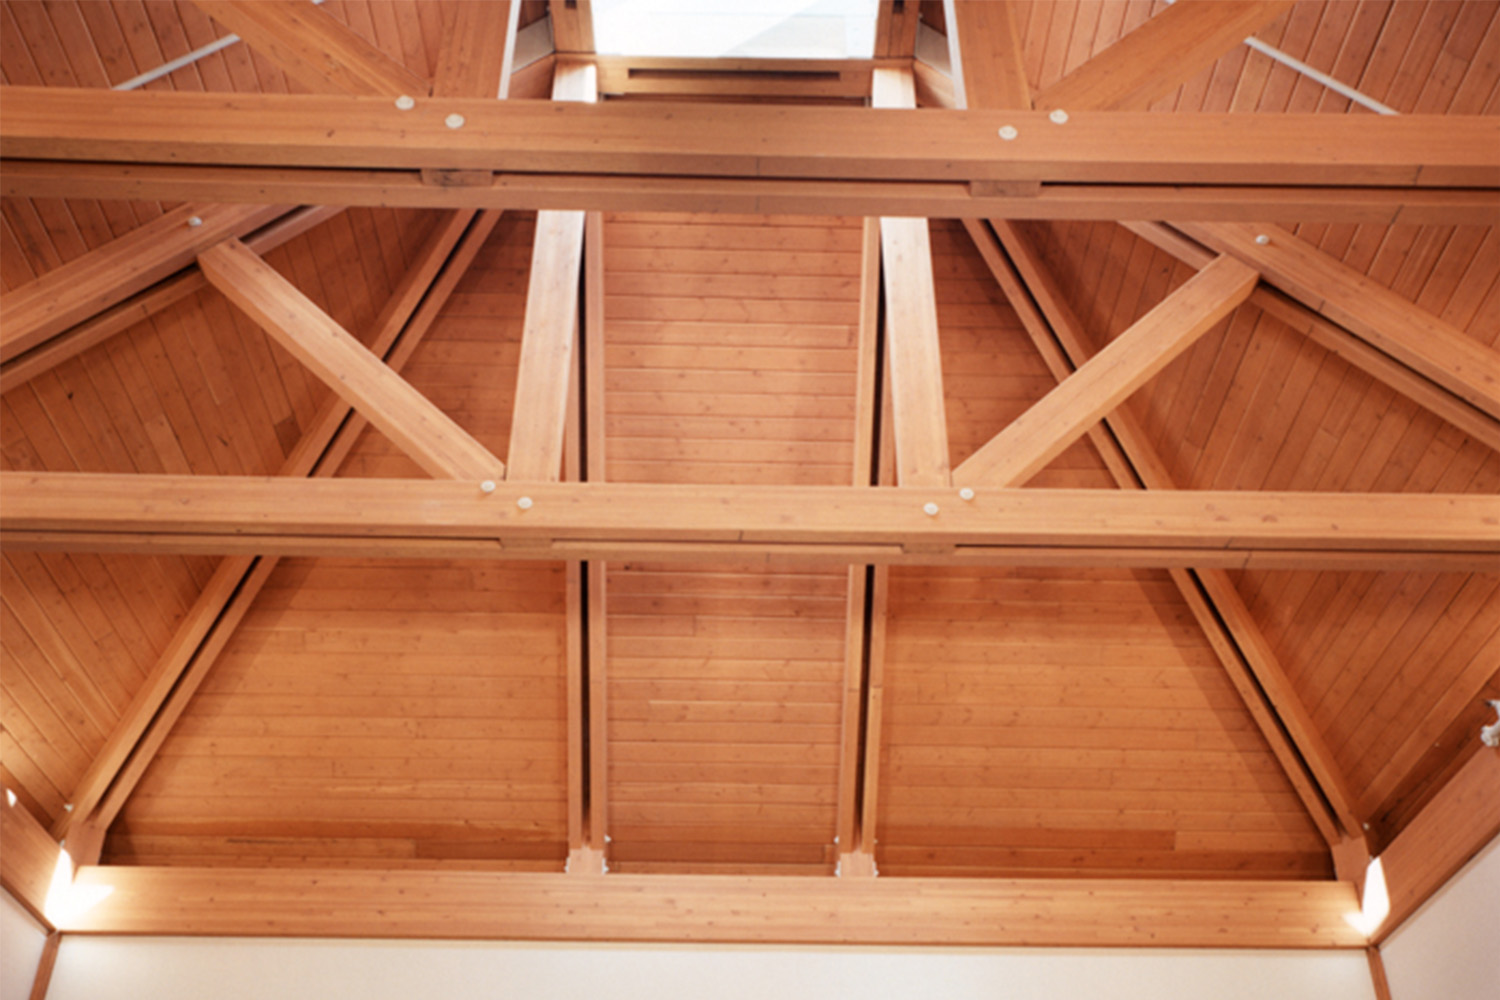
[750, 29]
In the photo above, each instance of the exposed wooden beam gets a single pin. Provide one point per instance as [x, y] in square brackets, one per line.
[853, 737]
[190, 653]
[597, 572]
[1396, 326]
[705, 908]
[869, 805]
[404, 415]
[896, 28]
[987, 54]
[28, 857]
[90, 284]
[1156, 58]
[826, 524]
[1066, 413]
[1454, 826]
[1339, 341]
[550, 326]
[1398, 769]
[749, 195]
[45, 965]
[330, 59]
[750, 142]
[478, 52]
[1210, 594]
[1377, 974]
[203, 616]
[572, 25]
[120, 317]
[314, 48]
[911, 326]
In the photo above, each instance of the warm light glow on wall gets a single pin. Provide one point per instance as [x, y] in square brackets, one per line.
[1376, 901]
[67, 901]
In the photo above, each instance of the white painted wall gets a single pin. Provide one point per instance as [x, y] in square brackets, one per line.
[246, 969]
[1450, 948]
[21, 940]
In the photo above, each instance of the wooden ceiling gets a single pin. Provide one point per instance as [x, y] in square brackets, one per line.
[1265, 680]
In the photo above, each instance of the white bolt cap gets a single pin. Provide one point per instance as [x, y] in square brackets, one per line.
[1262, 239]
[406, 102]
[488, 486]
[930, 509]
[1059, 117]
[454, 121]
[194, 221]
[524, 503]
[966, 493]
[1008, 132]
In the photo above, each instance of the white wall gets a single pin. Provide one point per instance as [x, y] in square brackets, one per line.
[242, 969]
[21, 940]
[1450, 948]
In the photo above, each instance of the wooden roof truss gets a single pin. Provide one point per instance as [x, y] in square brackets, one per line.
[1002, 159]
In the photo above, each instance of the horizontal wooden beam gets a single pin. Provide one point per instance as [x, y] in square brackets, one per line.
[1386, 321]
[1105, 380]
[735, 195]
[1460, 820]
[706, 908]
[89, 284]
[749, 141]
[313, 47]
[409, 419]
[829, 524]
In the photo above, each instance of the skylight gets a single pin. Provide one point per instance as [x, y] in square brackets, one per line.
[779, 29]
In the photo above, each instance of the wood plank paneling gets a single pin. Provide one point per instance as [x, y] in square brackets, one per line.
[1069, 721]
[385, 713]
[726, 365]
[192, 390]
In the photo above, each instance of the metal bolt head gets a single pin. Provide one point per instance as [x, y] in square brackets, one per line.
[488, 486]
[194, 221]
[1008, 132]
[930, 509]
[1262, 239]
[966, 493]
[1058, 117]
[524, 503]
[406, 102]
[454, 121]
